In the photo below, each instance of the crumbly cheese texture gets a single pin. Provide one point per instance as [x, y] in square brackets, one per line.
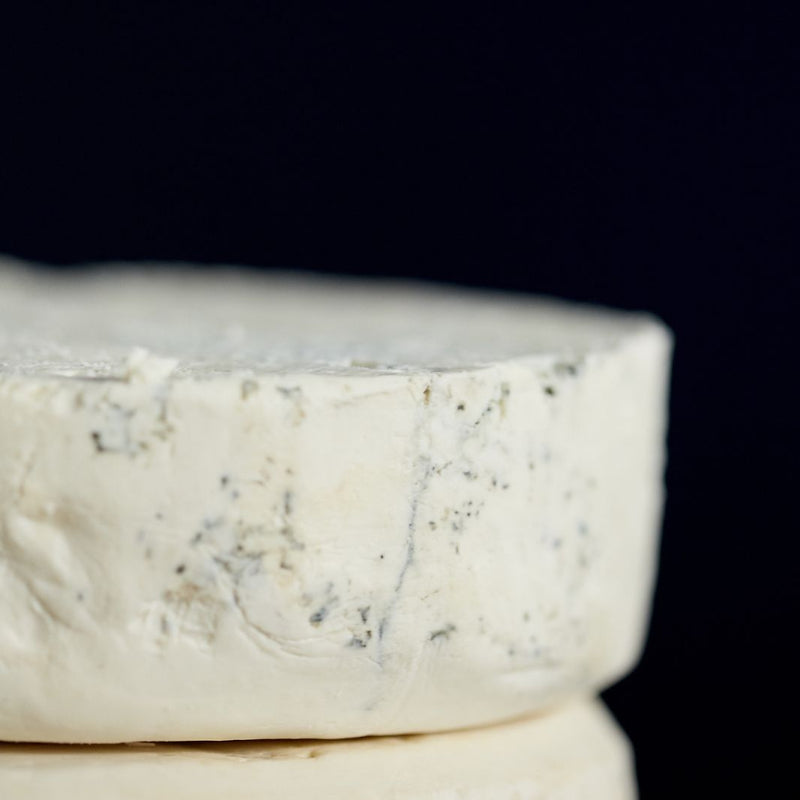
[237, 506]
[576, 753]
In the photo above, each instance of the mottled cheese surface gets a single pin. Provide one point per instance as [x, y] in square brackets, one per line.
[576, 753]
[235, 506]
[216, 323]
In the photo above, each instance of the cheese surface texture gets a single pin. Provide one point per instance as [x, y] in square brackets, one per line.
[576, 753]
[239, 507]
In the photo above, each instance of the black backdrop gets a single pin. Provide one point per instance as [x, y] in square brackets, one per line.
[638, 161]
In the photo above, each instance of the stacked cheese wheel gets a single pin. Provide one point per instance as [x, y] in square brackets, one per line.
[238, 507]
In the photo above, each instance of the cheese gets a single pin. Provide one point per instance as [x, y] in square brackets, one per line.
[235, 506]
[576, 752]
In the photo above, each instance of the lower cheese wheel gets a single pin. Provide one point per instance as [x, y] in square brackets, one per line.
[574, 753]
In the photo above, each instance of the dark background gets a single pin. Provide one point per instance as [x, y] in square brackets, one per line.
[631, 159]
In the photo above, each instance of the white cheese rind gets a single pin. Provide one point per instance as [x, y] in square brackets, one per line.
[284, 547]
[576, 753]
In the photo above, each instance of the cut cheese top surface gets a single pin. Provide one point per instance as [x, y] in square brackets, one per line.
[217, 322]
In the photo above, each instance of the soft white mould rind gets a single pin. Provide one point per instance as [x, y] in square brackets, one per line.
[278, 549]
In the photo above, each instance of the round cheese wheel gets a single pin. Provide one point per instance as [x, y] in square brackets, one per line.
[271, 506]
